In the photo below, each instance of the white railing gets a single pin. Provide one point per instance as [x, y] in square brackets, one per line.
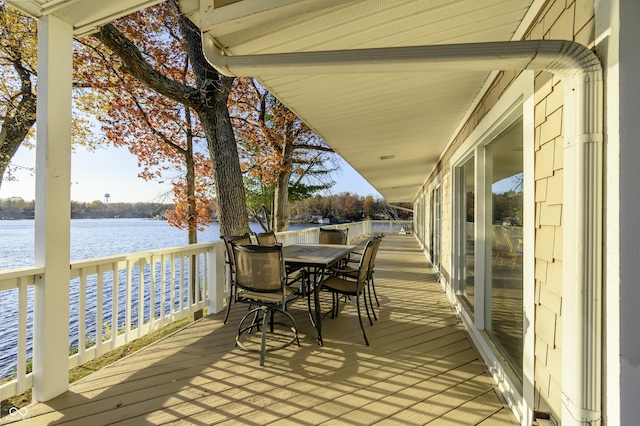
[144, 292]
[392, 226]
[312, 235]
[117, 299]
[114, 300]
[18, 284]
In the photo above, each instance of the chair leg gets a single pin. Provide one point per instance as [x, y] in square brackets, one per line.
[295, 326]
[267, 317]
[254, 323]
[366, 306]
[226, 315]
[373, 285]
[360, 319]
[375, 317]
[270, 321]
[255, 320]
[336, 305]
[263, 342]
[311, 315]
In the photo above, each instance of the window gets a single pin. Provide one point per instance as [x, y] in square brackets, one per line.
[505, 272]
[435, 235]
[490, 210]
[492, 238]
[467, 243]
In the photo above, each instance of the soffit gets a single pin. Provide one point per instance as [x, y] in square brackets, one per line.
[86, 16]
[410, 116]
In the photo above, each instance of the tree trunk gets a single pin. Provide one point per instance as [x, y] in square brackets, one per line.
[192, 219]
[209, 100]
[214, 117]
[281, 193]
[15, 128]
[232, 210]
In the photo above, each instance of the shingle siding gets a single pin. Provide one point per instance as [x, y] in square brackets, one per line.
[559, 19]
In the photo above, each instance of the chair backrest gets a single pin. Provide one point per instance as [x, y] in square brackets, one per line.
[259, 268]
[228, 243]
[333, 236]
[365, 261]
[266, 239]
[376, 243]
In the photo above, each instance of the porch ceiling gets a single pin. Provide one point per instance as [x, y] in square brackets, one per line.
[86, 16]
[409, 117]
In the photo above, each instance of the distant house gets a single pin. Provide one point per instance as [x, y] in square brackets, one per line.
[320, 219]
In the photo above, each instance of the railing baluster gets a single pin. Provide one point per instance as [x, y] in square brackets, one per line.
[181, 283]
[99, 309]
[115, 297]
[163, 288]
[152, 293]
[188, 274]
[141, 264]
[22, 334]
[172, 286]
[82, 314]
[129, 298]
[198, 263]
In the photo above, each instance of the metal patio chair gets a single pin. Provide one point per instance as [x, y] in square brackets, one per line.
[266, 239]
[231, 268]
[352, 272]
[261, 282]
[340, 284]
[333, 236]
[294, 274]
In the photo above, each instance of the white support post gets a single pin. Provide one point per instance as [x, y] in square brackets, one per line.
[53, 180]
[582, 251]
[216, 278]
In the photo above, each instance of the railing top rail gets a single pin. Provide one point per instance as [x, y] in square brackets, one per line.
[85, 263]
[9, 278]
[10, 274]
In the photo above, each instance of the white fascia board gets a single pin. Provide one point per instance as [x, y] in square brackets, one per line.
[250, 13]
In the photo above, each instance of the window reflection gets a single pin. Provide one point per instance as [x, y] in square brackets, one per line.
[506, 272]
[468, 292]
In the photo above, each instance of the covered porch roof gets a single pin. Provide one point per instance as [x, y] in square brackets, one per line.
[391, 125]
[85, 16]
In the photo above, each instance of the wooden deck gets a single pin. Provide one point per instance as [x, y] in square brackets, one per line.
[420, 368]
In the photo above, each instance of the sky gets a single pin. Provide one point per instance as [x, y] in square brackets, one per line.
[114, 171]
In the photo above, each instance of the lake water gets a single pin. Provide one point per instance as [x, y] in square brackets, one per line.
[89, 238]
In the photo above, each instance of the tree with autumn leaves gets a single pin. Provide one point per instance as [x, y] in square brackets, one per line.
[275, 144]
[283, 159]
[182, 75]
[147, 80]
[18, 55]
[161, 131]
[18, 63]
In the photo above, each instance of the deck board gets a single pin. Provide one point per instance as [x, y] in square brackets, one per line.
[420, 368]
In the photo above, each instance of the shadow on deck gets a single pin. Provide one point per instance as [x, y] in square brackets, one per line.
[420, 368]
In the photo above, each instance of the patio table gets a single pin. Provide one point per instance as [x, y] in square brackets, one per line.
[316, 258]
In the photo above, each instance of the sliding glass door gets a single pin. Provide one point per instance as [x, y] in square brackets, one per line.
[490, 240]
[435, 237]
[505, 272]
